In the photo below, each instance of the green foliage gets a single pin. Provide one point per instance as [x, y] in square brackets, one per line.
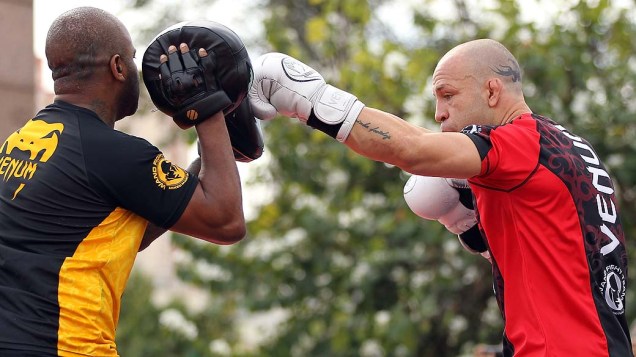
[143, 334]
[337, 249]
[172, 330]
[134, 334]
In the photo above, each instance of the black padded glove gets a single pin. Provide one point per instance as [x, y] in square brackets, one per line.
[188, 87]
[245, 134]
[189, 84]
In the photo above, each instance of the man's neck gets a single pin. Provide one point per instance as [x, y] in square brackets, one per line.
[99, 107]
[515, 112]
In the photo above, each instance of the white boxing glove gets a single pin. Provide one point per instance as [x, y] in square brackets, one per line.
[433, 198]
[438, 198]
[285, 85]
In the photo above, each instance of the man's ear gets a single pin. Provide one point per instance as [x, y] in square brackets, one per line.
[495, 88]
[117, 67]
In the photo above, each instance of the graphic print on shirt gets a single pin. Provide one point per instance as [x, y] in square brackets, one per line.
[595, 193]
[34, 143]
[532, 167]
[168, 175]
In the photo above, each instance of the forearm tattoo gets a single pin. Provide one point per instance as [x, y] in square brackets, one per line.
[375, 130]
[509, 71]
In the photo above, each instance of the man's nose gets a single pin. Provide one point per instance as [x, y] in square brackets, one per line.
[441, 113]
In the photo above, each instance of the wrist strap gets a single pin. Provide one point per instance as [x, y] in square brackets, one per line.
[349, 121]
[202, 109]
[329, 129]
[335, 113]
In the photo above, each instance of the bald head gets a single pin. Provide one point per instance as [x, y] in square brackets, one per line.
[91, 56]
[484, 59]
[80, 42]
[477, 82]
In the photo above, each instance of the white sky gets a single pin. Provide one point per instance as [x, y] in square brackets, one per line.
[239, 16]
[228, 12]
[233, 13]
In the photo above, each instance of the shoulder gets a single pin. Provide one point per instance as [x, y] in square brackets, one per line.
[526, 123]
[99, 136]
[513, 147]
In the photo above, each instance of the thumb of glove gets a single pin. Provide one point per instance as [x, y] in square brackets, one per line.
[259, 101]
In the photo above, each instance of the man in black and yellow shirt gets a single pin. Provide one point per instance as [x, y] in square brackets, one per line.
[78, 199]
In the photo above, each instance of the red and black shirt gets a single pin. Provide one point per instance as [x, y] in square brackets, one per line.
[547, 208]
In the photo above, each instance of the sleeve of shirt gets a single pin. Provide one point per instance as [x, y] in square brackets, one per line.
[133, 174]
[509, 153]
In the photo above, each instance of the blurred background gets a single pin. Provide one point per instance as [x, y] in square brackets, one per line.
[335, 263]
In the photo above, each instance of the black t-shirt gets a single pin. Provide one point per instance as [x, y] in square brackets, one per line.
[75, 200]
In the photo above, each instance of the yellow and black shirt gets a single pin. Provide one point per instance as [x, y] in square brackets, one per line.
[75, 199]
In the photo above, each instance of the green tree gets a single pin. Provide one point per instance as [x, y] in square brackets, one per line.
[337, 249]
[172, 330]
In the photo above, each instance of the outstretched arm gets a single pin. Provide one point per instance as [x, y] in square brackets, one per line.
[385, 137]
[289, 87]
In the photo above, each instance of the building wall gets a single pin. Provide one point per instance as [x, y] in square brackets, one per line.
[17, 65]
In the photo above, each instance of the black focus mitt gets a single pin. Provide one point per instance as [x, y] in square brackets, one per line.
[245, 133]
[191, 88]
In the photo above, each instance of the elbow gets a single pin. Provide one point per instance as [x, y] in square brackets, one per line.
[233, 231]
[404, 156]
[408, 165]
[218, 224]
[234, 234]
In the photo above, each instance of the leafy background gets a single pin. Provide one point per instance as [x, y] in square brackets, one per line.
[334, 257]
